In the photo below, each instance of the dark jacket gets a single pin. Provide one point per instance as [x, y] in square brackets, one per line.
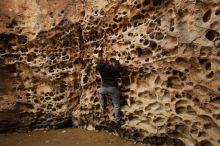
[109, 73]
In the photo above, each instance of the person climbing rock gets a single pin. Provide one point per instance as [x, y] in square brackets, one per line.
[109, 69]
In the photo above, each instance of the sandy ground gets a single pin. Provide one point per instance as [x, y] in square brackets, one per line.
[63, 137]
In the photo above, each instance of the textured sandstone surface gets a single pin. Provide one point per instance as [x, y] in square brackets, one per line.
[170, 51]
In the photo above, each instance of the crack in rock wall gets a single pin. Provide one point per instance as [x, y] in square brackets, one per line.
[169, 50]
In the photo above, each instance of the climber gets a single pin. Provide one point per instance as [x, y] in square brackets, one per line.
[109, 69]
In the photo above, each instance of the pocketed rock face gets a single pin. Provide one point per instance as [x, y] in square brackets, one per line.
[170, 51]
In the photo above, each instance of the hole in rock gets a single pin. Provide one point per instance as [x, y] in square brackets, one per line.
[143, 11]
[194, 129]
[136, 136]
[210, 75]
[152, 35]
[146, 60]
[188, 122]
[148, 52]
[201, 134]
[175, 72]
[146, 2]
[124, 29]
[51, 14]
[173, 82]
[216, 116]
[19, 97]
[217, 12]
[159, 36]
[129, 58]
[83, 13]
[36, 101]
[153, 45]
[139, 51]
[167, 72]
[139, 112]
[180, 102]
[171, 28]
[204, 143]
[178, 96]
[180, 110]
[12, 24]
[22, 39]
[216, 100]
[202, 61]
[138, 6]
[132, 100]
[130, 34]
[217, 43]
[138, 16]
[132, 46]
[206, 118]
[48, 98]
[206, 17]
[209, 126]
[158, 120]
[157, 2]
[211, 34]
[181, 60]
[159, 22]
[137, 24]
[181, 128]
[109, 31]
[190, 110]
[114, 26]
[146, 42]
[208, 66]
[167, 3]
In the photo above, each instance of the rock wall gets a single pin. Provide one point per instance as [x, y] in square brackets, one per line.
[169, 49]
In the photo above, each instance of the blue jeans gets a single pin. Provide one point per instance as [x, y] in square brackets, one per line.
[115, 95]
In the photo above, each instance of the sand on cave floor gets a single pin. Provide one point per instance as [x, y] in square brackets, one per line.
[63, 137]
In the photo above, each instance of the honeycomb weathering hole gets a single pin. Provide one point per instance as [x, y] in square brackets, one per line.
[206, 17]
[217, 12]
[211, 34]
